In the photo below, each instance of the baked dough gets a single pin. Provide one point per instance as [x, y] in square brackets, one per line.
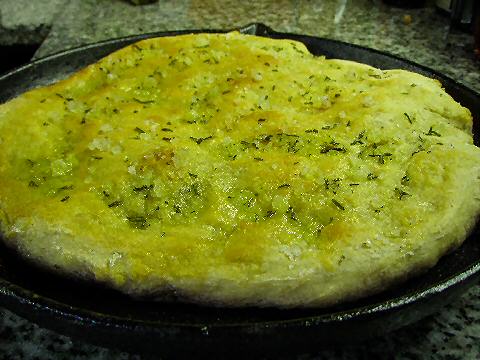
[237, 170]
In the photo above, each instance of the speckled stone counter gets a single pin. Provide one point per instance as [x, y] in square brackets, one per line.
[452, 333]
[26, 22]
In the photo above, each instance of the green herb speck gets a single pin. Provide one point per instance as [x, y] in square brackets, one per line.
[338, 205]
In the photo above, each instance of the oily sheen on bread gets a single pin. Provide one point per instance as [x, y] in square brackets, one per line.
[237, 170]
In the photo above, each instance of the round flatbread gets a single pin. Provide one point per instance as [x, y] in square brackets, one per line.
[237, 170]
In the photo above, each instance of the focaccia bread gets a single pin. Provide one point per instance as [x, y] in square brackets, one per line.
[237, 170]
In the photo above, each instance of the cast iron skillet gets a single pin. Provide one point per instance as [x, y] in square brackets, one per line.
[108, 318]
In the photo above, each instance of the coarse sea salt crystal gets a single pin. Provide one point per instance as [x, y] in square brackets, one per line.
[227, 140]
[60, 167]
[326, 101]
[187, 61]
[292, 252]
[114, 258]
[132, 170]
[106, 128]
[117, 149]
[99, 143]
[368, 101]
[152, 124]
[257, 76]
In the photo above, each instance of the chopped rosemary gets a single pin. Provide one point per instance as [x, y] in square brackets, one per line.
[400, 193]
[420, 148]
[267, 139]
[329, 127]
[115, 203]
[143, 188]
[337, 204]
[143, 101]
[200, 140]
[248, 144]
[332, 146]
[291, 213]
[359, 138]
[432, 132]
[332, 184]
[138, 222]
[270, 213]
[381, 157]
[408, 118]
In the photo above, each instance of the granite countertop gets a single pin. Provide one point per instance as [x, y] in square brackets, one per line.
[452, 333]
[26, 22]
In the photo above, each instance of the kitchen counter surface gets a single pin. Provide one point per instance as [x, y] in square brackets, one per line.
[26, 22]
[420, 35]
